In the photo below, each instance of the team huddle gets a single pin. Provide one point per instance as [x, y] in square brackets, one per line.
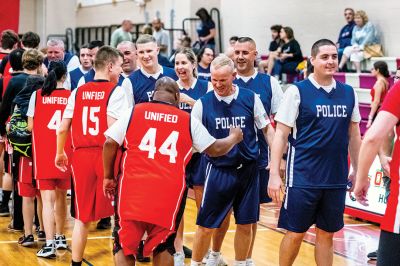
[135, 145]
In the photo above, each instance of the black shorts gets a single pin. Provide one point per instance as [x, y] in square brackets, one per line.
[389, 249]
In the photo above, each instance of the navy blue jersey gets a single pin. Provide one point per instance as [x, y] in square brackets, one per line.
[120, 80]
[260, 85]
[204, 73]
[195, 93]
[219, 116]
[318, 144]
[89, 76]
[143, 86]
[67, 57]
[75, 75]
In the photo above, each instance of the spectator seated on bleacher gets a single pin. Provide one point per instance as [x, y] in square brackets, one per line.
[274, 45]
[364, 36]
[288, 56]
[346, 32]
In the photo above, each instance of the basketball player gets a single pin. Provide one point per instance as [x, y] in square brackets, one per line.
[9, 41]
[320, 117]
[91, 109]
[387, 118]
[86, 60]
[94, 46]
[156, 154]
[56, 51]
[128, 49]
[44, 116]
[140, 84]
[231, 180]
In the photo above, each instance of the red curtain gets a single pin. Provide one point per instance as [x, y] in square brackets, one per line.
[9, 15]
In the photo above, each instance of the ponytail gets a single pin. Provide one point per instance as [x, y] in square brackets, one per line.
[57, 70]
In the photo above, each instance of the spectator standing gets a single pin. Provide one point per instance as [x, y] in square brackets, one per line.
[364, 33]
[162, 37]
[346, 32]
[205, 57]
[206, 29]
[121, 34]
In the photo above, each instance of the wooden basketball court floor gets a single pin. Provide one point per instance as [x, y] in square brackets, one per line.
[351, 244]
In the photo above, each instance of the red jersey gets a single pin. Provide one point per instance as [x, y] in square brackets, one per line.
[383, 94]
[7, 67]
[90, 114]
[391, 220]
[47, 118]
[6, 80]
[158, 146]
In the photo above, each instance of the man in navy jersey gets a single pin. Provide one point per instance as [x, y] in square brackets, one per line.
[56, 51]
[140, 84]
[85, 57]
[231, 180]
[320, 117]
[128, 49]
[94, 46]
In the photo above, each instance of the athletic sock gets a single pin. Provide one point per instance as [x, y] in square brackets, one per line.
[239, 263]
[6, 197]
[50, 242]
[250, 262]
[74, 263]
[215, 253]
[195, 263]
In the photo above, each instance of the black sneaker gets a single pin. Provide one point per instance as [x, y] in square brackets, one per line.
[41, 235]
[188, 252]
[373, 255]
[139, 255]
[4, 211]
[61, 242]
[104, 223]
[48, 252]
[26, 241]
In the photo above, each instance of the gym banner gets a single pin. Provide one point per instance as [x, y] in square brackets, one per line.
[9, 15]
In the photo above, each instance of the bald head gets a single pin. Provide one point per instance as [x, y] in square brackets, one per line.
[157, 24]
[166, 90]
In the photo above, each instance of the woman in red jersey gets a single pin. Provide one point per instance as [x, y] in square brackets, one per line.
[386, 120]
[378, 92]
[45, 110]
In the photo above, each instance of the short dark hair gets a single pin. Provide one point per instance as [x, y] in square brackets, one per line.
[289, 32]
[166, 84]
[246, 39]
[30, 40]
[15, 58]
[319, 43]
[234, 38]
[276, 27]
[350, 9]
[201, 52]
[84, 46]
[95, 43]
[382, 67]
[8, 39]
[105, 55]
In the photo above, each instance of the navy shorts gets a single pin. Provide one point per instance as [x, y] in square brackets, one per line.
[264, 178]
[304, 207]
[195, 170]
[226, 188]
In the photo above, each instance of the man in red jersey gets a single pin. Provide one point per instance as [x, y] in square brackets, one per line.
[152, 189]
[387, 118]
[91, 109]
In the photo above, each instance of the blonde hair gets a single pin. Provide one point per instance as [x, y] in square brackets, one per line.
[221, 61]
[362, 15]
[190, 55]
[32, 59]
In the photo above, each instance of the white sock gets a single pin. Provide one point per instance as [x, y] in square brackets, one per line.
[239, 263]
[57, 235]
[195, 263]
[250, 262]
[50, 242]
[215, 253]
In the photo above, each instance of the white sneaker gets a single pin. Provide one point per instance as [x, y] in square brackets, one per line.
[204, 261]
[179, 259]
[215, 259]
[47, 251]
[61, 242]
[250, 262]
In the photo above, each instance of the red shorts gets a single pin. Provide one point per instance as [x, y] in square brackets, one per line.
[131, 232]
[27, 190]
[90, 204]
[52, 184]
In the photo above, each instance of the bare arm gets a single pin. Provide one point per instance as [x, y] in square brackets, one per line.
[269, 133]
[212, 34]
[223, 146]
[61, 159]
[110, 149]
[30, 123]
[375, 104]
[354, 149]
[373, 139]
[278, 147]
